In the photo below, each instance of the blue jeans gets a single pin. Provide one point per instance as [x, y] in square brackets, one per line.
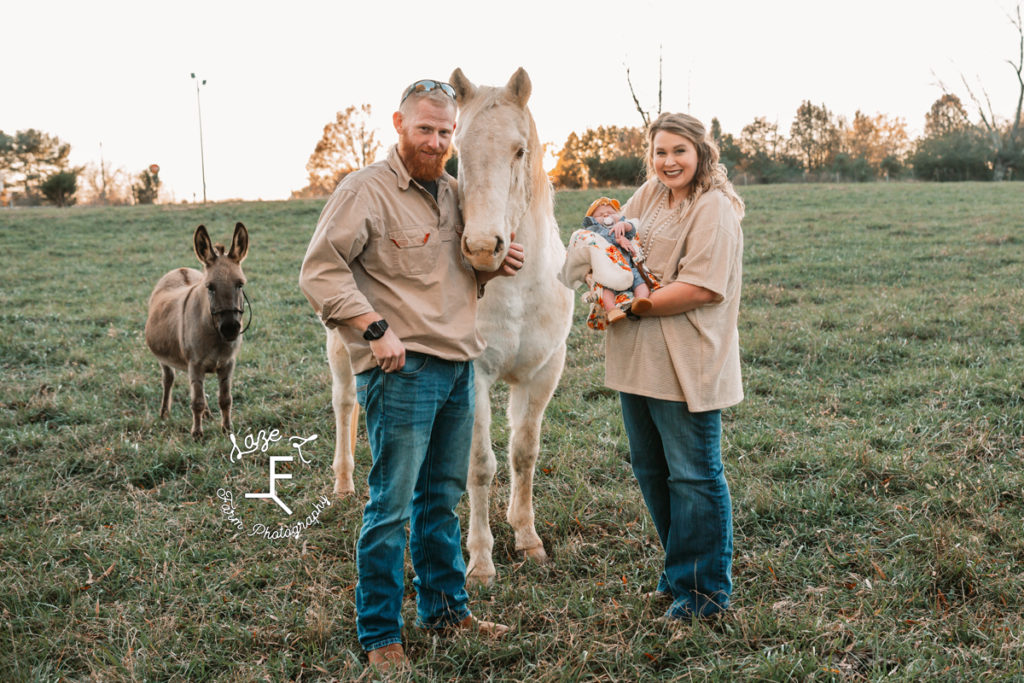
[677, 459]
[420, 426]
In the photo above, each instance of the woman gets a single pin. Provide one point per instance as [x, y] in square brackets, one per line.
[678, 365]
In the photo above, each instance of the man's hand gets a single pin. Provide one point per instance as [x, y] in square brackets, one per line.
[388, 352]
[514, 260]
[513, 263]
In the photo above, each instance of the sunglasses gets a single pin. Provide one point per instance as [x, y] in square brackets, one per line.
[426, 85]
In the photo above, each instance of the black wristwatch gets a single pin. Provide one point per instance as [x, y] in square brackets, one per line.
[375, 330]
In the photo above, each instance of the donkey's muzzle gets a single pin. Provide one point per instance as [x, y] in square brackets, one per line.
[229, 328]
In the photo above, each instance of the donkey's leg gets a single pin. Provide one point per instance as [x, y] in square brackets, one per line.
[195, 378]
[346, 413]
[482, 465]
[165, 402]
[527, 402]
[224, 394]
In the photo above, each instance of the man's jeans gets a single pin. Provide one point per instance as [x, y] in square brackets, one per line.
[420, 426]
[677, 459]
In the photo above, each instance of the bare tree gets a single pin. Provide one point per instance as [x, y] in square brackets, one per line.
[103, 184]
[644, 115]
[1004, 138]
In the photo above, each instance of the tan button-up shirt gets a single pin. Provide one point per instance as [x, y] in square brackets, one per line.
[692, 357]
[384, 244]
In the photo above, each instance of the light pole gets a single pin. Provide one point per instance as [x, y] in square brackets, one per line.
[199, 108]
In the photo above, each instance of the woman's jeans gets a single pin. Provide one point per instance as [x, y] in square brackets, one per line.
[420, 426]
[677, 459]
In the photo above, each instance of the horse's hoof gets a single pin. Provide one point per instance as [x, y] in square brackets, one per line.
[536, 554]
[474, 579]
[344, 491]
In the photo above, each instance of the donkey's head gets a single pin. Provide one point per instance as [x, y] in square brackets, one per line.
[223, 278]
[498, 146]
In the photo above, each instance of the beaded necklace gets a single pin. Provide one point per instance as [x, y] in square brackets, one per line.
[654, 227]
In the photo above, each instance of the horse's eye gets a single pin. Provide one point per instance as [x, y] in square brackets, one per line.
[209, 288]
[520, 153]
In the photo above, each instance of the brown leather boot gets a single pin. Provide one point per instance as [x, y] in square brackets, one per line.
[388, 657]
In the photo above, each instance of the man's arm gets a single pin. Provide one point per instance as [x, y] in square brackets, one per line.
[326, 277]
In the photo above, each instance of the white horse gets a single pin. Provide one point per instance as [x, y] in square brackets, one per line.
[505, 195]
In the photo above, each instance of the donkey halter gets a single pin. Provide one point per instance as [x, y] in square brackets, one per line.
[239, 311]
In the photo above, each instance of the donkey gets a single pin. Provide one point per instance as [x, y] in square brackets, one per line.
[505, 196]
[201, 334]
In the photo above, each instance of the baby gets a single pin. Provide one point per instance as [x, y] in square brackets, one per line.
[602, 218]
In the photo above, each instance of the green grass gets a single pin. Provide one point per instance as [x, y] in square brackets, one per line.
[875, 466]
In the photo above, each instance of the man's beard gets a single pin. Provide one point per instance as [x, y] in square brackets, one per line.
[420, 166]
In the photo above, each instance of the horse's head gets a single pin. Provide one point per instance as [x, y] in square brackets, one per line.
[223, 278]
[497, 145]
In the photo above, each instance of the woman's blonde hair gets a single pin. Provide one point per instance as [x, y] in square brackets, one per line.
[710, 174]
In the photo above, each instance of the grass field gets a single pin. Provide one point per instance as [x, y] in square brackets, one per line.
[875, 466]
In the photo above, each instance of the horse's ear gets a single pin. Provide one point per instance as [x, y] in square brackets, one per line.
[203, 246]
[464, 89]
[519, 87]
[239, 244]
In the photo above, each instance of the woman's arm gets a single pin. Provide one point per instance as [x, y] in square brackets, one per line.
[678, 297]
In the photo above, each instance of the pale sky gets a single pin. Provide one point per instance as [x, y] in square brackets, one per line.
[116, 74]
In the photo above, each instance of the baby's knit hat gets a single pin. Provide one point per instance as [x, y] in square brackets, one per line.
[601, 201]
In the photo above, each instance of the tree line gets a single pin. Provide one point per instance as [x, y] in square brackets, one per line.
[35, 169]
[820, 146]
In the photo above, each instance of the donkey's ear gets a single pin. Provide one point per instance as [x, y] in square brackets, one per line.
[203, 246]
[464, 89]
[519, 87]
[239, 244]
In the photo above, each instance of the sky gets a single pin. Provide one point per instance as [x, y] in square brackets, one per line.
[113, 78]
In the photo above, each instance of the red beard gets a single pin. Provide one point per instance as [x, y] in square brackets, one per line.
[424, 167]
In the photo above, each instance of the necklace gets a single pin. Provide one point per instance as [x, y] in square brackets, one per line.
[654, 226]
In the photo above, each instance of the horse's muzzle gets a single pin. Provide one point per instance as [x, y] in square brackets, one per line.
[484, 254]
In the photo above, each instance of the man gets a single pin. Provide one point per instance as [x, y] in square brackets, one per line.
[385, 267]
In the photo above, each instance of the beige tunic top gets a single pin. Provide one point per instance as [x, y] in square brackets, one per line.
[692, 357]
[383, 244]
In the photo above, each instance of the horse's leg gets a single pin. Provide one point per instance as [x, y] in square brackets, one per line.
[526, 411]
[224, 394]
[482, 465]
[346, 413]
[165, 402]
[195, 378]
